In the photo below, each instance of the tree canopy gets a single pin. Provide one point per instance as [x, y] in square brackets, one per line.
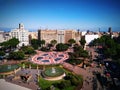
[61, 47]
[42, 42]
[53, 42]
[2, 53]
[82, 41]
[35, 43]
[110, 46]
[71, 41]
[28, 49]
[19, 55]
[12, 43]
[80, 52]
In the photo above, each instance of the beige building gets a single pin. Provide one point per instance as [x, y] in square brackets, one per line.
[48, 35]
[62, 36]
[34, 35]
[1, 36]
[4, 36]
[72, 34]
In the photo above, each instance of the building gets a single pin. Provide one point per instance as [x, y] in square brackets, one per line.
[47, 35]
[61, 36]
[1, 36]
[39, 34]
[72, 34]
[21, 34]
[32, 35]
[7, 36]
[90, 38]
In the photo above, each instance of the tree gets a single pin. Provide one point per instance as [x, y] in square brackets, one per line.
[71, 41]
[42, 42]
[28, 49]
[13, 42]
[80, 52]
[82, 41]
[5, 44]
[61, 47]
[10, 44]
[117, 39]
[2, 53]
[49, 46]
[84, 54]
[110, 47]
[53, 42]
[44, 49]
[78, 48]
[35, 43]
[19, 55]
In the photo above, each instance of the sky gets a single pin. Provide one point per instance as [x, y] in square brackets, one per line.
[60, 14]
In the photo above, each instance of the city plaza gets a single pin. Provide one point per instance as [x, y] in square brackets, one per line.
[51, 58]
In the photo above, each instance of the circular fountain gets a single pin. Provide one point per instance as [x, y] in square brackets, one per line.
[53, 73]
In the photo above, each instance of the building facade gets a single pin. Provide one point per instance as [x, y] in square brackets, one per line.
[47, 35]
[61, 36]
[72, 34]
[21, 34]
[90, 38]
[1, 36]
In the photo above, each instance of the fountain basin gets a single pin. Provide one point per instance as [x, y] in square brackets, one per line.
[57, 75]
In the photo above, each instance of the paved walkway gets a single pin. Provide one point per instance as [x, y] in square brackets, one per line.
[86, 73]
[32, 84]
[10, 86]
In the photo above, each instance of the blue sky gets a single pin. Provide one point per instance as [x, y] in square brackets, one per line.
[60, 14]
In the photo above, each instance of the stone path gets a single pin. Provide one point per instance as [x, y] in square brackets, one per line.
[32, 82]
[86, 73]
[10, 86]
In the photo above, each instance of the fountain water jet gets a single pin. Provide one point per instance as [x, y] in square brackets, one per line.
[53, 70]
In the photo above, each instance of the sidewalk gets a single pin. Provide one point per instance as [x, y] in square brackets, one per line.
[10, 86]
[87, 75]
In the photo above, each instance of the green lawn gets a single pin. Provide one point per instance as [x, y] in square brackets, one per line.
[70, 82]
[7, 68]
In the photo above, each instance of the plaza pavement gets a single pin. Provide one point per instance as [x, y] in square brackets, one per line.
[32, 84]
[47, 58]
[10, 86]
[87, 75]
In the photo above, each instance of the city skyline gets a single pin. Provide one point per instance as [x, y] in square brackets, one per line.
[60, 14]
